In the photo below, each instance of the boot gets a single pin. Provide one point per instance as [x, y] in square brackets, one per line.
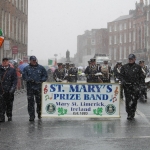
[39, 116]
[2, 119]
[9, 118]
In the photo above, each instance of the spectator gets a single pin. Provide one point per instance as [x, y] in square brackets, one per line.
[8, 82]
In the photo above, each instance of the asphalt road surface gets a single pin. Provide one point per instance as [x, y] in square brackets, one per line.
[75, 133]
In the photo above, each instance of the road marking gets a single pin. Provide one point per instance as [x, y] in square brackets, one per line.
[106, 138]
[19, 108]
[143, 116]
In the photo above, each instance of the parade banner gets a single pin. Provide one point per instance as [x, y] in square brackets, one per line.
[80, 100]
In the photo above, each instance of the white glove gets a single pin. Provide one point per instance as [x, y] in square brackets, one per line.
[66, 74]
[60, 80]
[57, 79]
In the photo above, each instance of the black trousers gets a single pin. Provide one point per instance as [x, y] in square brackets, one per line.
[6, 105]
[131, 97]
[34, 96]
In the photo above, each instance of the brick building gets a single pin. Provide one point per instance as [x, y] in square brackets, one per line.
[130, 34]
[14, 24]
[90, 43]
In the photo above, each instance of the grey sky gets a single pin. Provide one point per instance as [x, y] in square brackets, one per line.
[55, 24]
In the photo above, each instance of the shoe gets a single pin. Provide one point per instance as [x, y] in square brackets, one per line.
[129, 118]
[9, 118]
[133, 115]
[39, 116]
[31, 119]
[2, 119]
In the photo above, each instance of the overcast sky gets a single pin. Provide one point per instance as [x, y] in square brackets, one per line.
[55, 24]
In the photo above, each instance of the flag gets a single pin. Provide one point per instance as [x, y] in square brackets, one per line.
[50, 62]
[1, 40]
[1, 37]
[1, 32]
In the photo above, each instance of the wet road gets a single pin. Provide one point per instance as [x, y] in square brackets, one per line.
[75, 133]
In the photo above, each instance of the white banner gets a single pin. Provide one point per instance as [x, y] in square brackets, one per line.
[80, 100]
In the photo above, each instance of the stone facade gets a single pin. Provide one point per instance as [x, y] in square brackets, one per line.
[14, 24]
[130, 34]
[91, 42]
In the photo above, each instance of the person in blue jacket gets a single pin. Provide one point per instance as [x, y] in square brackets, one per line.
[8, 83]
[34, 74]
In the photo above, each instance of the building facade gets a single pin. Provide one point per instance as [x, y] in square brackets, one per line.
[91, 43]
[14, 24]
[130, 34]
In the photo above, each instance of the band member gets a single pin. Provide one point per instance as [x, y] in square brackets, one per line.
[59, 74]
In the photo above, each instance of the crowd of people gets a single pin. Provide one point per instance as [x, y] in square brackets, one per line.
[131, 77]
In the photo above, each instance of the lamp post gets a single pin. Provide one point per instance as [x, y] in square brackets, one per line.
[55, 59]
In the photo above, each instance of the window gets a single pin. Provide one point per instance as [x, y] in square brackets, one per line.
[134, 36]
[125, 53]
[124, 37]
[120, 38]
[17, 3]
[114, 53]
[120, 52]
[147, 31]
[125, 27]
[110, 53]
[5, 24]
[20, 31]
[93, 41]
[129, 24]
[26, 33]
[148, 16]
[120, 26]
[110, 29]
[115, 27]
[9, 25]
[23, 6]
[26, 7]
[130, 37]
[133, 47]
[13, 28]
[115, 40]
[2, 20]
[147, 44]
[23, 32]
[129, 49]
[110, 40]
[16, 29]
[20, 4]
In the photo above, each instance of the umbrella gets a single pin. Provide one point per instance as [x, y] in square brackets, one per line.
[22, 66]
